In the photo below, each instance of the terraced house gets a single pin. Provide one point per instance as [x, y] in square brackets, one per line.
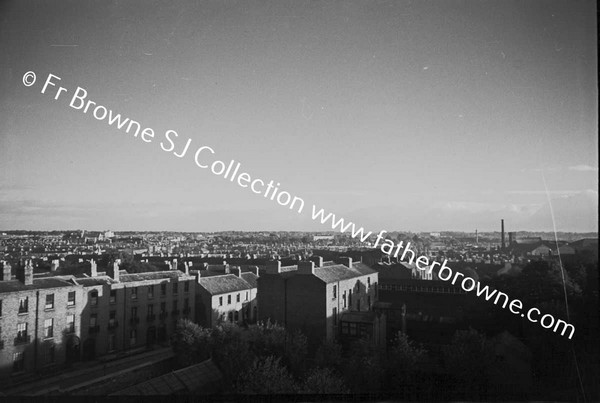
[133, 311]
[39, 322]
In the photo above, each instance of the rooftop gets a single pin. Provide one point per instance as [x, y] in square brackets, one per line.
[223, 284]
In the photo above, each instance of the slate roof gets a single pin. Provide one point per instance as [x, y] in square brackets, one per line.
[338, 272]
[363, 268]
[92, 281]
[156, 275]
[216, 285]
[250, 278]
[38, 284]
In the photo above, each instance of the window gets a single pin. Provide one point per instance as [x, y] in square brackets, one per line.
[70, 323]
[163, 289]
[350, 298]
[94, 298]
[163, 307]
[49, 328]
[150, 291]
[21, 331]
[220, 301]
[344, 298]
[236, 316]
[186, 304]
[175, 306]
[175, 288]
[230, 316]
[229, 300]
[334, 315]
[368, 281]
[0, 308]
[49, 301]
[113, 296]
[186, 286]
[19, 361]
[369, 301]
[134, 293]
[71, 299]
[49, 353]
[237, 298]
[334, 291]
[111, 342]
[353, 329]
[150, 309]
[93, 320]
[132, 337]
[134, 312]
[24, 305]
[112, 318]
[246, 295]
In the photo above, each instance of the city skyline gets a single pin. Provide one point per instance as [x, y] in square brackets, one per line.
[416, 117]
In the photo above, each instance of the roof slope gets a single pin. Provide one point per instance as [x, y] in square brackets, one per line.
[223, 284]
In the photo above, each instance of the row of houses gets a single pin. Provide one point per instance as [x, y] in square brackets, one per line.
[50, 321]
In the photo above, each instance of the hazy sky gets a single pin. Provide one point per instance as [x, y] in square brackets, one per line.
[424, 115]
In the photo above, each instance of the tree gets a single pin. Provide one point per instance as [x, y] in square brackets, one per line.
[324, 381]
[191, 343]
[469, 358]
[266, 376]
[403, 362]
[363, 367]
[329, 355]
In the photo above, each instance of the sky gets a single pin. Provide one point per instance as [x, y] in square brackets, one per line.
[398, 115]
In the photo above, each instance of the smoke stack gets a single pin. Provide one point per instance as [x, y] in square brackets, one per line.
[502, 235]
[476, 237]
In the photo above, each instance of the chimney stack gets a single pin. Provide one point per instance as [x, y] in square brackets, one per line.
[256, 271]
[174, 265]
[236, 271]
[346, 261]
[274, 267]
[54, 265]
[502, 235]
[116, 270]
[27, 272]
[6, 271]
[306, 267]
[93, 268]
[318, 260]
[187, 268]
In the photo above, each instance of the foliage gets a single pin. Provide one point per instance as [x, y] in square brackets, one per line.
[324, 381]
[469, 357]
[191, 343]
[266, 376]
[363, 366]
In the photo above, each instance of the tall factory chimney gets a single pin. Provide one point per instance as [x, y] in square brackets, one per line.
[502, 235]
